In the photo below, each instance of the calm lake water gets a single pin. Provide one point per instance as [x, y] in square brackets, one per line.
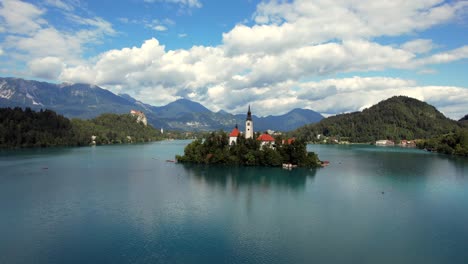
[126, 204]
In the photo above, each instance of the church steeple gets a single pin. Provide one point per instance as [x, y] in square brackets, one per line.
[249, 115]
[249, 125]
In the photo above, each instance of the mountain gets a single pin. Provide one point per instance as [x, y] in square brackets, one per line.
[88, 101]
[184, 113]
[71, 100]
[398, 117]
[180, 106]
[289, 121]
[464, 121]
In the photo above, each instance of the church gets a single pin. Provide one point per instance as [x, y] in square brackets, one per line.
[249, 132]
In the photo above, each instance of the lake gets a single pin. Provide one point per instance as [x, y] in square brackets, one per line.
[126, 204]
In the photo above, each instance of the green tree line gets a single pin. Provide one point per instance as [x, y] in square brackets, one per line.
[45, 128]
[454, 143]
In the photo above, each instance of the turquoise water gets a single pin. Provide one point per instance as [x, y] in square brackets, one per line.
[126, 204]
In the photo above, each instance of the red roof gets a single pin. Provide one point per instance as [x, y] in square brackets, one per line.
[235, 132]
[265, 137]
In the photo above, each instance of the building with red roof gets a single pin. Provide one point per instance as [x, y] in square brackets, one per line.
[233, 136]
[266, 139]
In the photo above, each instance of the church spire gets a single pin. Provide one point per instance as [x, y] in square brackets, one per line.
[249, 133]
[249, 115]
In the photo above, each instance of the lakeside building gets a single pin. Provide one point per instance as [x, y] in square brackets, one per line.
[266, 140]
[233, 136]
[384, 142]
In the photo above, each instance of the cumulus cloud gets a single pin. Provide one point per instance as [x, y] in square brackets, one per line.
[220, 81]
[282, 24]
[46, 68]
[157, 76]
[29, 38]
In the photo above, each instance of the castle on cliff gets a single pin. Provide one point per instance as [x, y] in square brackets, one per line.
[140, 116]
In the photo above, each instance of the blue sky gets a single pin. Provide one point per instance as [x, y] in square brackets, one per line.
[330, 56]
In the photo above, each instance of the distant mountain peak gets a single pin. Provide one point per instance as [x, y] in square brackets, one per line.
[186, 106]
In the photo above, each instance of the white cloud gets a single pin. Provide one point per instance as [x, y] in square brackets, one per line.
[79, 74]
[46, 68]
[445, 57]
[418, 46]
[283, 24]
[182, 35]
[188, 3]
[44, 43]
[65, 5]
[156, 24]
[97, 25]
[272, 82]
[160, 28]
[21, 17]
[30, 38]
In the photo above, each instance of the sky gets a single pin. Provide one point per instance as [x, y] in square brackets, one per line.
[331, 56]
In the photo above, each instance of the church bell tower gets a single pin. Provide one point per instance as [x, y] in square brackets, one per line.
[249, 132]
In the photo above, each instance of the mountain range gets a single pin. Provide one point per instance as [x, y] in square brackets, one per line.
[88, 101]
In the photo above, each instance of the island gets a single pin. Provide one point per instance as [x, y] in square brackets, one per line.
[249, 149]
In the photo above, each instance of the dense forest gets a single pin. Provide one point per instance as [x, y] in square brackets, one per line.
[396, 118]
[27, 128]
[454, 143]
[215, 149]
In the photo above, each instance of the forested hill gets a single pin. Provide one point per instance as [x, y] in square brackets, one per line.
[27, 128]
[464, 121]
[399, 117]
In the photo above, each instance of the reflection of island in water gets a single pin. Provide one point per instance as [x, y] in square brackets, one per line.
[259, 177]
